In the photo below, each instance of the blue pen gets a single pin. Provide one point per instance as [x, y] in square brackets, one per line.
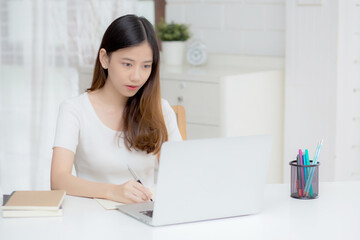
[312, 170]
[307, 169]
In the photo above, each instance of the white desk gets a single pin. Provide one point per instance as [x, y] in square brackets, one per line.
[334, 215]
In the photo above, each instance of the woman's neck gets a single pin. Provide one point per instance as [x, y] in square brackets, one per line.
[110, 97]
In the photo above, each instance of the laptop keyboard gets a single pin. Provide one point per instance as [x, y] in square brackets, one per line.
[147, 213]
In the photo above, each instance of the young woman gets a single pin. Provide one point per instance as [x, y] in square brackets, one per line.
[121, 120]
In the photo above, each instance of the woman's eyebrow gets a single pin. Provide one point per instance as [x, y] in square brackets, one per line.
[128, 59]
[132, 60]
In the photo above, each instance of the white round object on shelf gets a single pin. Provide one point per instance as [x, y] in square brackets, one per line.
[196, 54]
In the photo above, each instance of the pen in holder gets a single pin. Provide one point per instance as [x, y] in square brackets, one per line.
[304, 182]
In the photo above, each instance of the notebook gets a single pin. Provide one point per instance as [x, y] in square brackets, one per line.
[207, 179]
[33, 203]
[108, 204]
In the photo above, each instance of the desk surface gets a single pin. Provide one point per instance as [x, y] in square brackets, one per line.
[334, 215]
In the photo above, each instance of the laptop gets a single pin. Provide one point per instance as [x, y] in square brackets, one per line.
[206, 179]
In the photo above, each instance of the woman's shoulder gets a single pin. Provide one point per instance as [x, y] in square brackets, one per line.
[166, 107]
[74, 102]
[168, 112]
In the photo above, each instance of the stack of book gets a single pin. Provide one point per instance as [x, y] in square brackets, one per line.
[33, 203]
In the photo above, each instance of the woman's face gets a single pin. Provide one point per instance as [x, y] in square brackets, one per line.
[128, 68]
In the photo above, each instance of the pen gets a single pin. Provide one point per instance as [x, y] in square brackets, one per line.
[298, 180]
[135, 177]
[312, 170]
[302, 170]
[307, 170]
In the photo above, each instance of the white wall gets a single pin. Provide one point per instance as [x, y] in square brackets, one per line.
[347, 159]
[322, 69]
[255, 27]
[310, 83]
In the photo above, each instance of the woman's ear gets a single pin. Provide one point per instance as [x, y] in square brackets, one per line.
[104, 58]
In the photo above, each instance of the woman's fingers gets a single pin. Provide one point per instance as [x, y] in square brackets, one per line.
[144, 190]
[136, 192]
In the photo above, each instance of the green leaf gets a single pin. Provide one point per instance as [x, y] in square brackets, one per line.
[172, 31]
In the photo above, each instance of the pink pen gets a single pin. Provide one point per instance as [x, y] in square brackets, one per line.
[302, 170]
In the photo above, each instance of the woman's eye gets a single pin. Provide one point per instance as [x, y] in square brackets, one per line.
[147, 66]
[127, 64]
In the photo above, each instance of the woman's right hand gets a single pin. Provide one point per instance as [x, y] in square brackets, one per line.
[130, 192]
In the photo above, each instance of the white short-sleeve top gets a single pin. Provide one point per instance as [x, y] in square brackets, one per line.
[100, 155]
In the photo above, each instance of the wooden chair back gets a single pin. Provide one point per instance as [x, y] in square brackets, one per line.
[181, 119]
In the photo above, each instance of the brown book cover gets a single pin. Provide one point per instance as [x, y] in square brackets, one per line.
[35, 200]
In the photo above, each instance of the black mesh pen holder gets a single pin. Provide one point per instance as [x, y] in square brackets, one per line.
[304, 182]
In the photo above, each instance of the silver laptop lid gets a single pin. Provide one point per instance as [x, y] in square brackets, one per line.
[211, 178]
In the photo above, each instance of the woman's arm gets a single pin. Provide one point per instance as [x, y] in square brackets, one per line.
[62, 178]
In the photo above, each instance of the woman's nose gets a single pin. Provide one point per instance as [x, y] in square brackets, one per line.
[136, 75]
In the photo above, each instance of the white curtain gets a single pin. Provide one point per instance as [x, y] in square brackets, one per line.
[43, 42]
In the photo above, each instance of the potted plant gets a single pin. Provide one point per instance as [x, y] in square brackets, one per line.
[173, 37]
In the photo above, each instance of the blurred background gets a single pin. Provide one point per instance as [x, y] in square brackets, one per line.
[303, 53]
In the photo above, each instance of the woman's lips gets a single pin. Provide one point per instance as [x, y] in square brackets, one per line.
[130, 87]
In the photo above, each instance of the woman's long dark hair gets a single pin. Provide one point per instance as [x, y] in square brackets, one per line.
[144, 127]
